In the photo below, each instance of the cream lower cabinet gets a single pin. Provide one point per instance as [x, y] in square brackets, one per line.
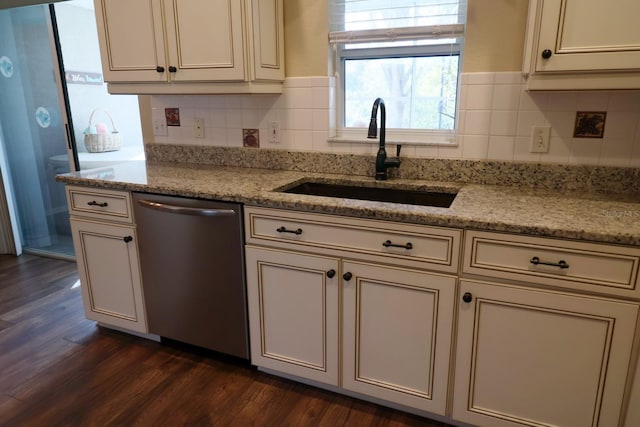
[104, 239]
[632, 418]
[395, 321]
[397, 327]
[540, 358]
[293, 313]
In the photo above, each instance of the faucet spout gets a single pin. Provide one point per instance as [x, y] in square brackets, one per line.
[382, 162]
[373, 125]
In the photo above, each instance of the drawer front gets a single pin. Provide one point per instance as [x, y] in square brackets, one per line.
[576, 265]
[100, 204]
[398, 243]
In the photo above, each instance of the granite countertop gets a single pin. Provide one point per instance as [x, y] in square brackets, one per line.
[595, 217]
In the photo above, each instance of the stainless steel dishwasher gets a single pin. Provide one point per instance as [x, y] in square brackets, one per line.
[192, 266]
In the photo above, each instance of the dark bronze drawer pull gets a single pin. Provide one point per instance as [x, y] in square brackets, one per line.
[536, 261]
[388, 243]
[94, 203]
[284, 230]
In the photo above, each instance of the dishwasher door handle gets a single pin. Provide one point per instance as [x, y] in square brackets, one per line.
[183, 210]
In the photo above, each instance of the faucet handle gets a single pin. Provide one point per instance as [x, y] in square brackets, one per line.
[398, 148]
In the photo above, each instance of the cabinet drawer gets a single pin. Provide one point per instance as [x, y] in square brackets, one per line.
[382, 241]
[576, 265]
[103, 204]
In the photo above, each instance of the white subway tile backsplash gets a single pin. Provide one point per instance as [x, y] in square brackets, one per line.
[508, 78]
[477, 122]
[501, 148]
[585, 151]
[562, 101]
[533, 101]
[559, 150]
[621, 125]
[475, 147]
[478, 78]
[479, 97]
[506, 97]
[494, 121]
[522, 150]
[302, 140]
[618, 151]
[503, 123]
[562, 123]
[302, 97]
[528, 119]
[234, 119]
[250, 119]
[625, 101]
[303, 119]
[592, 101]
[320, 119]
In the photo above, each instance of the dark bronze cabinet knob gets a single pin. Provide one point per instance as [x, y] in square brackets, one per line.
[546, 54]
[467, 297]
[160, 69]
[127, 239]
[172, 69]
[331, 273]
[347, 276]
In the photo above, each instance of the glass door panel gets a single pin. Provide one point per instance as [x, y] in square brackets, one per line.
[33, 123]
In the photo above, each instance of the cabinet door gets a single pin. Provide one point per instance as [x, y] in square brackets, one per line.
[633, 407]
[528, 357]
[397, 335]
[585, 35]
[205, 39]
[109, 273]
[131, 40]
[268, 39]
[293, 313]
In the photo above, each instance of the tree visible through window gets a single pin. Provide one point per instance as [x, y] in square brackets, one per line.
[407, 52]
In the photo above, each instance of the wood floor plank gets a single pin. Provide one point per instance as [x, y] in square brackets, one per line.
[59, 369]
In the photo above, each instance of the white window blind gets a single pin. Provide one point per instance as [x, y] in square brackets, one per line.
[405, 51]
[360, 21]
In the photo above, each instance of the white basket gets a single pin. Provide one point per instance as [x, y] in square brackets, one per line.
[98, 143]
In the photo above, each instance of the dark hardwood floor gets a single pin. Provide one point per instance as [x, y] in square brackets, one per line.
[59, 369]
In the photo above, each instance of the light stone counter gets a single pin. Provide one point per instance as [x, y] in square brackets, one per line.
[597, 217]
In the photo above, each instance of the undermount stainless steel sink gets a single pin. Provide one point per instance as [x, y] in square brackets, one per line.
[377, 194]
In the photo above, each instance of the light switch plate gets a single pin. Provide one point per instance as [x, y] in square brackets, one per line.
[198, 127]
[540, 136]
[160, 127]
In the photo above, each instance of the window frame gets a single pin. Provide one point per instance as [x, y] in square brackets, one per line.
[338, 39]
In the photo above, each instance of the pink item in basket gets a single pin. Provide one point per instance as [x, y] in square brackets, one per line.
[101, 129]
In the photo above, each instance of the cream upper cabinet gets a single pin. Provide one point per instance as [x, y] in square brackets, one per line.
[583, 44]
[527, 357]
[194, 46]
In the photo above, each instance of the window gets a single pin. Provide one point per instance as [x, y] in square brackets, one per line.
[407, 52]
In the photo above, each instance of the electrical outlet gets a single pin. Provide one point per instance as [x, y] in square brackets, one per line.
[540, 136]
[198, 127]
[274, 132]
[160, 127]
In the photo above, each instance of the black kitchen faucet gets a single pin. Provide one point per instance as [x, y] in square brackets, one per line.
[382, 162]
